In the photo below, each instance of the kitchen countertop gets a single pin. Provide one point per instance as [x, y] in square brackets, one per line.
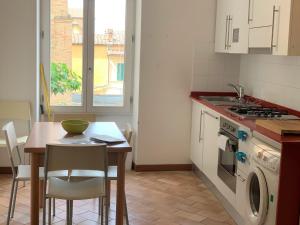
[250, 123]
[288, 204]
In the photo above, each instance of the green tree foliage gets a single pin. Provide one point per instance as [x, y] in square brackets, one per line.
[63, 79]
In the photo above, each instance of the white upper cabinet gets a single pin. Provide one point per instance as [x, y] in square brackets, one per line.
[232, 26]
[221, 34]
[274, 27]
[258, 26]
[260, 13]
[261, 19]
[286, 31]
[239, 30]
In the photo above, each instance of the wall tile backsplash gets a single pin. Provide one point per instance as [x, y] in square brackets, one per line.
[272, 78]
[213, 71]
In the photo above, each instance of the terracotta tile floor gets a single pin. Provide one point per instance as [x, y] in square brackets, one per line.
[153, 198]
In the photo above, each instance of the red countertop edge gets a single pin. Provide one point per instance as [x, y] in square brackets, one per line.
[246, 122]
[288, 203]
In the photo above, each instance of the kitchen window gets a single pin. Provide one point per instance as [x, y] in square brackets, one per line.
[87, 54]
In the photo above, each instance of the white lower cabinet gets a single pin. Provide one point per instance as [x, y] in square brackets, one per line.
[211, 124]
[196, 135]
[204, 135]
[204, 146]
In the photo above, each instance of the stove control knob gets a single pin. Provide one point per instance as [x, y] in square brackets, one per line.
[241, 156]
[242, 135]
[265, 158]
[259, 155]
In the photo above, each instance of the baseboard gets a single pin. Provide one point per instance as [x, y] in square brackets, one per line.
[5, 170]
[162, 167]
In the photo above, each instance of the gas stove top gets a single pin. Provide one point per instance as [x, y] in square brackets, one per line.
[259, 112]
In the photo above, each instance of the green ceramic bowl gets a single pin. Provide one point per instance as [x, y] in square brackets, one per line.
[75, 126]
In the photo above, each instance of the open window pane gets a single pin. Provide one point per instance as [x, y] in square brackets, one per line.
[66, 50]
[109, 46]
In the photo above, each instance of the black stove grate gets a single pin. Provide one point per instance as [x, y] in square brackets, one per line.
[259, 112]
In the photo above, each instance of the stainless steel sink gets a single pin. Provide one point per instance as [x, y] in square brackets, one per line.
[219, 98]
[225, 101]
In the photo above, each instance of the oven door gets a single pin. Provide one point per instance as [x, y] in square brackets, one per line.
[227, 162]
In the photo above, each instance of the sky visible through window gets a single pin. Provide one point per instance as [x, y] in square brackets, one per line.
[108, 14]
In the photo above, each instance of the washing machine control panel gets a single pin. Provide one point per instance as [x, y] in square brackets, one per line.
[269, 160]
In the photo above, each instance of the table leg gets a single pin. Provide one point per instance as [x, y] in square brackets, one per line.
[120, 189]
[41, 195]
[34, 208]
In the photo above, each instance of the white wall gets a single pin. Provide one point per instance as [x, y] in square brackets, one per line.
[272, 78]
[17, 55]
[176, 56]
[17, 50]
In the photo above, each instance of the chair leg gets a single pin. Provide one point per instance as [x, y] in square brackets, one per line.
[71, 212]
[14, 199]
[53, 206]
[44, 212]
[108, 191]
[102, 210]
[10, 201]
[106, 211]
[49, 211]
[126, 211]
[99, 205]
[68, 212]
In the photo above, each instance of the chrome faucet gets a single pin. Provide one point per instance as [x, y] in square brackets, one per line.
[239, 89]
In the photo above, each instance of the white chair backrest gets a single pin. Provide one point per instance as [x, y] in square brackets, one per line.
[128, 133]
[15, 110]
[76, 157]
[11, 140]
[58, 117]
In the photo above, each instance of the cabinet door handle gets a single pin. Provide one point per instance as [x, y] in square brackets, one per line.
[250, 15]
[275, 11]
[200, 130]
[229, 26]
[211, 115]
[226, 26]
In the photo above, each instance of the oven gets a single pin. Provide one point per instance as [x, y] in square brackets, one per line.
[227, 163]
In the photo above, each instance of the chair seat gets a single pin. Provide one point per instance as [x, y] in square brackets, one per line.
[20, 140]
[24, 173]
[112, 173]
[87, 189]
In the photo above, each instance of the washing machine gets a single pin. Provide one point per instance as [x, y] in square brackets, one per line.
[258, 182]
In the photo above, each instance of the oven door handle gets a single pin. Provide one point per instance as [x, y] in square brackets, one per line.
[230, 142]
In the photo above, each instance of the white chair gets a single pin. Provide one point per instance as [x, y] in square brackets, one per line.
[76, 157]
[112, 174]
[23, 171]
[15, 110]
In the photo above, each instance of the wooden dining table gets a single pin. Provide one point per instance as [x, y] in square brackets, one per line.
[44, 133]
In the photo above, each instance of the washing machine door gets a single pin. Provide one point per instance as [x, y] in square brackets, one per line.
[256, 197]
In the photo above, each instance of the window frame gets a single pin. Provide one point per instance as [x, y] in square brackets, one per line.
[88, 59]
